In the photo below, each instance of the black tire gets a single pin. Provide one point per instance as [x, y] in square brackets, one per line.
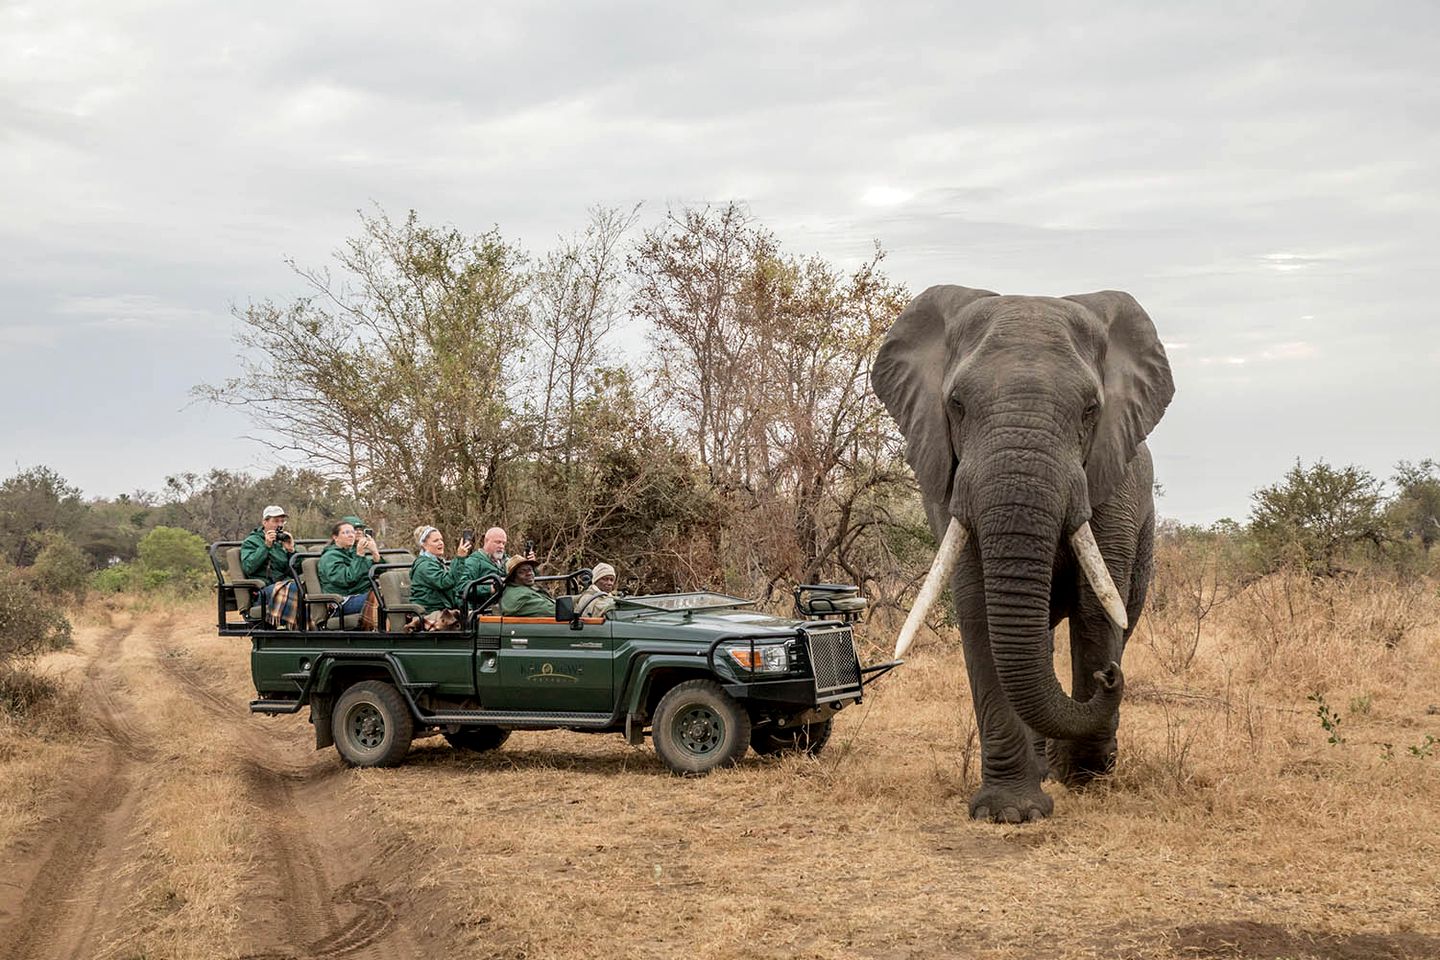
[481, 739]
[698, 727]
[808, 738]
[372, 725]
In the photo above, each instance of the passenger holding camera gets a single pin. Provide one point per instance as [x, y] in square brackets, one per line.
[265, 553]
[434, 583]
[344, 567]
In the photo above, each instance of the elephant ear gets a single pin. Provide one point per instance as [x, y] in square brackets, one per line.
[1138, 387]
[908, 377]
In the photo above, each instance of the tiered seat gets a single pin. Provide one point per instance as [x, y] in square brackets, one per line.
[318, 603]
[246, 590]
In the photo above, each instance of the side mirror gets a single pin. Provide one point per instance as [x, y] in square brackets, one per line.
[565, 610]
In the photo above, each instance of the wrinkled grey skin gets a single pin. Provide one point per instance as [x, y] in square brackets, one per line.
[1024, 417]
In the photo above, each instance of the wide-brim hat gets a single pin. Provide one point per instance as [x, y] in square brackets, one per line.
[515, 563]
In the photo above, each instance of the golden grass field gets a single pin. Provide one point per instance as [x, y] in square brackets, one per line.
[151, 816]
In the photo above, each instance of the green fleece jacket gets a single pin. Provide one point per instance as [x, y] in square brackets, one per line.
[435, 584]
[261, 562]
[518, 601]
[478, 565]
[343, 571]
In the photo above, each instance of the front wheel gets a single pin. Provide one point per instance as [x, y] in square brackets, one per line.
[371, 725]
[481, 739]
[806, 738]
[698, 727]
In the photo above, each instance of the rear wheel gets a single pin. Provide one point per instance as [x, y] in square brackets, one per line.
[372, 725]
[698, 727]
[481, 739]
[806, 738]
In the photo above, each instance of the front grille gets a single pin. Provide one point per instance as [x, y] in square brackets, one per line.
[832, 658]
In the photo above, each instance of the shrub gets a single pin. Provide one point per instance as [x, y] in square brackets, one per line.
[117, 578]
[30, 623]
[61, 568]
[172, 555]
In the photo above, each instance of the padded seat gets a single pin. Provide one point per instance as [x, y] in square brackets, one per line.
[395, 606]
[318, 603]
[830, 600]
[246, 589]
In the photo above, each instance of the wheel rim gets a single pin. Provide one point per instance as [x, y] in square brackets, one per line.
[367, 726]
[698, 729]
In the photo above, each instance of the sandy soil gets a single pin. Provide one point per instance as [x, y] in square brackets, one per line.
[169, 822]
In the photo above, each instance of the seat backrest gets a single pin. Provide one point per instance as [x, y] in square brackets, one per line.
[310, 574]
[394, 587]
[233, 573]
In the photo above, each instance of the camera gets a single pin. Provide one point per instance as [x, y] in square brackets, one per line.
[529, 547]
[283, 534]
[369, 533]
[467, 536]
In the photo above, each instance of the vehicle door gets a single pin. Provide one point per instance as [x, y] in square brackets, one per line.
[545, 665]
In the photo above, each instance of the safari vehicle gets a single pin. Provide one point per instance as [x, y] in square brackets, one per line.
[703, 674]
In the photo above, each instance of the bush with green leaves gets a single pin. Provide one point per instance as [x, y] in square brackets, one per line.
[61, 569]
[171, 555]
[30, 622]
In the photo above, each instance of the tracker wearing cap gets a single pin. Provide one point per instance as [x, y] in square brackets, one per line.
[599, 597]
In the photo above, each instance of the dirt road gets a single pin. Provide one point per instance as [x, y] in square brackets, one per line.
[82, 883]
[169, 823]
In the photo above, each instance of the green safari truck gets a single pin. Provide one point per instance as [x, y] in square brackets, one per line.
[703, 674]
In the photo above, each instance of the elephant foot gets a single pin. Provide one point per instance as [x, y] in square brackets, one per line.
[1076, 763]
[1011, 804]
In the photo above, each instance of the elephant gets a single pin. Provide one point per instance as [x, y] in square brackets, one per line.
[1024, 421]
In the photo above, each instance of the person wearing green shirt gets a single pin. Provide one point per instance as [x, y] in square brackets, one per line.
[489, 561]
[434, 583]
[520, 598]
[344, 568]
[265, 553]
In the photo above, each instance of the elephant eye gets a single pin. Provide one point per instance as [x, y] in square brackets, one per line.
[1091, 412]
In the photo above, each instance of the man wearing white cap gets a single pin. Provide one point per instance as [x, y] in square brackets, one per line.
[265, 554]
[599, 597]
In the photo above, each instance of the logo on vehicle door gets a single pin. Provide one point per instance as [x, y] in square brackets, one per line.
[548, 674]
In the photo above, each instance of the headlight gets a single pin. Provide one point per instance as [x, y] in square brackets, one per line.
[769, 658]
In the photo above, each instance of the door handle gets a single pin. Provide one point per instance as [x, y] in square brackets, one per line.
[519, 642]
[586, 645]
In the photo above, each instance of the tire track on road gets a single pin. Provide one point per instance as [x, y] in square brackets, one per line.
[306, 842]
[66, 883]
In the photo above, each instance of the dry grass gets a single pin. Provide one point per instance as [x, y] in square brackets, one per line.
[1230, 820]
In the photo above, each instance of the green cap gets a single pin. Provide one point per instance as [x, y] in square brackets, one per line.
[353, 521]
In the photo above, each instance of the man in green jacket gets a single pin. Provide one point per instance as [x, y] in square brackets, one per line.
[520, 598]
[265, 553]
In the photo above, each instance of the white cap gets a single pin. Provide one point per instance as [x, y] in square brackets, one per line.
[273, 511]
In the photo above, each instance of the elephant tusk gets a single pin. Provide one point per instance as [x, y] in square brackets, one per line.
[945, 558]
[1087, 551]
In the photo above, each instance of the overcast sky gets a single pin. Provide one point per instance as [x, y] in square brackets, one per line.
[1262, 177]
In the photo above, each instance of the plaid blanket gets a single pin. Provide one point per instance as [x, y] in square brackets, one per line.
[283, 606]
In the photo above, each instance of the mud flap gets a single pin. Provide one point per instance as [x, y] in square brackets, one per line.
[320, 707]
[634, 729]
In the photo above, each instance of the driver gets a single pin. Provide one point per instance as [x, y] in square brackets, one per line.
[520, 598]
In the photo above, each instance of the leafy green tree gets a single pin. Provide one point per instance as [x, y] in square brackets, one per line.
[391, 376]
[1416, 507]
[34, 502]
[1317, 513]
[61, 568]
[174, 554]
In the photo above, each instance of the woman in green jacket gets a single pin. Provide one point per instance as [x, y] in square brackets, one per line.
[344, 569]
[434, 583]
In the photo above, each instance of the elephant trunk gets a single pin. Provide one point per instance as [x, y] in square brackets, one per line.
[1017, 538]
